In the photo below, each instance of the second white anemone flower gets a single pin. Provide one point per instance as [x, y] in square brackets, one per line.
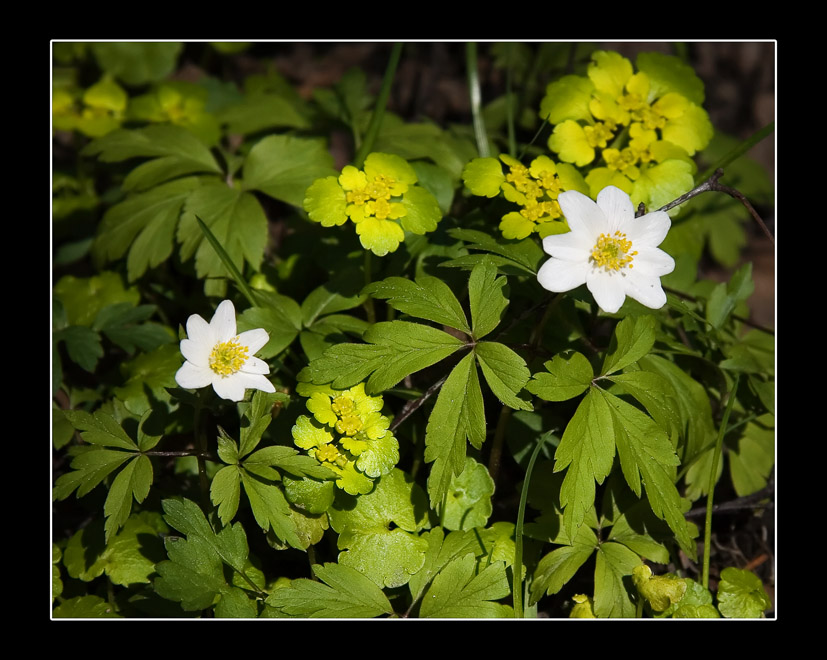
[215, 355]
[609, 250]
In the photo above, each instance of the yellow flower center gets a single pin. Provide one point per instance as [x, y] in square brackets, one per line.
[328, 453]
[376, 193]
[613, 252]
[598, 135]
[228, 357]
[349, 425]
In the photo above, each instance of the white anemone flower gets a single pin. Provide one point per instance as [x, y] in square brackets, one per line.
[215, 355]
[609, 250]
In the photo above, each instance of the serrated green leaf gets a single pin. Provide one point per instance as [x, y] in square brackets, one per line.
[441, 550]
[456, 592]
[428, 298]
[645, 452]
[83, 345]
[234, 217]
[332, 297]
[395, 349]
[587, 449]
[89, 468]
[525, 255]
[178, 152]
[567, 375]
[100, 428]
[225, 492]
[85, 607]
[283, 167]
[287, 459]
[193, 575]
[343, 593]
[614, 562]
[656, 394]
[505, 372]
[137, 63]
[751, 462]
[230, 544]
[261, 111]
[279, 315]
[270, 508]
[633, 339]
[556, 568]
[486, 298]
[458, 415]
[133, 481]
[726, 296]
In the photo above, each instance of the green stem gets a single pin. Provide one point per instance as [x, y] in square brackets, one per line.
[499, 441]
[510, 102]
[201, 440]
[379, 111]
[476, 99]
[738, 151]
[713, 473]
[517, 566]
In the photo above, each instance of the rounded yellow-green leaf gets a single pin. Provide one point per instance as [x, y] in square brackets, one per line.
[421, 211]
[571, 178]
[512, 194]
[514, 225]
[567, 98]
[569, 142]
[352, 178]
[308, 433]
[600, 177]
[551, 227]
[692, 130]
[106, 95]
[352, 481]
[325, 202]
[659, 185]
[483, 177]
[542, 165]
[379, 457]
[610, 71]
[392, 166]
[379, 236]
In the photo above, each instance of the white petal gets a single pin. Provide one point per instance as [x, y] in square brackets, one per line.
[607, 289]
[255, 366]
[199, 331]
[558, 275]
[652, 262]
[616, 205]
[223, 321]
[646, 290]
[254, 340]
[230, 387]
[254, 382]
[192, 377]
[197, 352]
[574, 246]
[649, 229]
[582, 214]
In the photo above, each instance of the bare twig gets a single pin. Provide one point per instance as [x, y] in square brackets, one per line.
[712, 185]
[412, 406]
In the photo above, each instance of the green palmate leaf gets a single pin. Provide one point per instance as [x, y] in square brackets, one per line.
[235, 218]
[656, 393]
[284, 167]
[525, 255]
[741, 595]
[235, 604]
[177, 151]
[128, 558]
[137, 63]
[261, 111]
[84, 298]
[256, 418]
[343, 592]
[614, 563]
[559, 566]
[726, 296]
[458, 415]
[486, 298]
[90, 466]
[505, 372]
[633, 339]
[287, 459]
[270, 508]
[645, 451]
[229, 545]
[568, 375]
[83, 345]
[100, 428]
[468, 503]
[133, 481]
[193, 575]
[587, 450]
[441, 550]
[377, 530]
[428, 298]
[335, 296]
[751, 463]
[456, 592]
[121, 323]
[395, 349]
[225, 492]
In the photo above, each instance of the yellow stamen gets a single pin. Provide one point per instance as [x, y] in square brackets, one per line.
[613, 252]
[228, 357]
